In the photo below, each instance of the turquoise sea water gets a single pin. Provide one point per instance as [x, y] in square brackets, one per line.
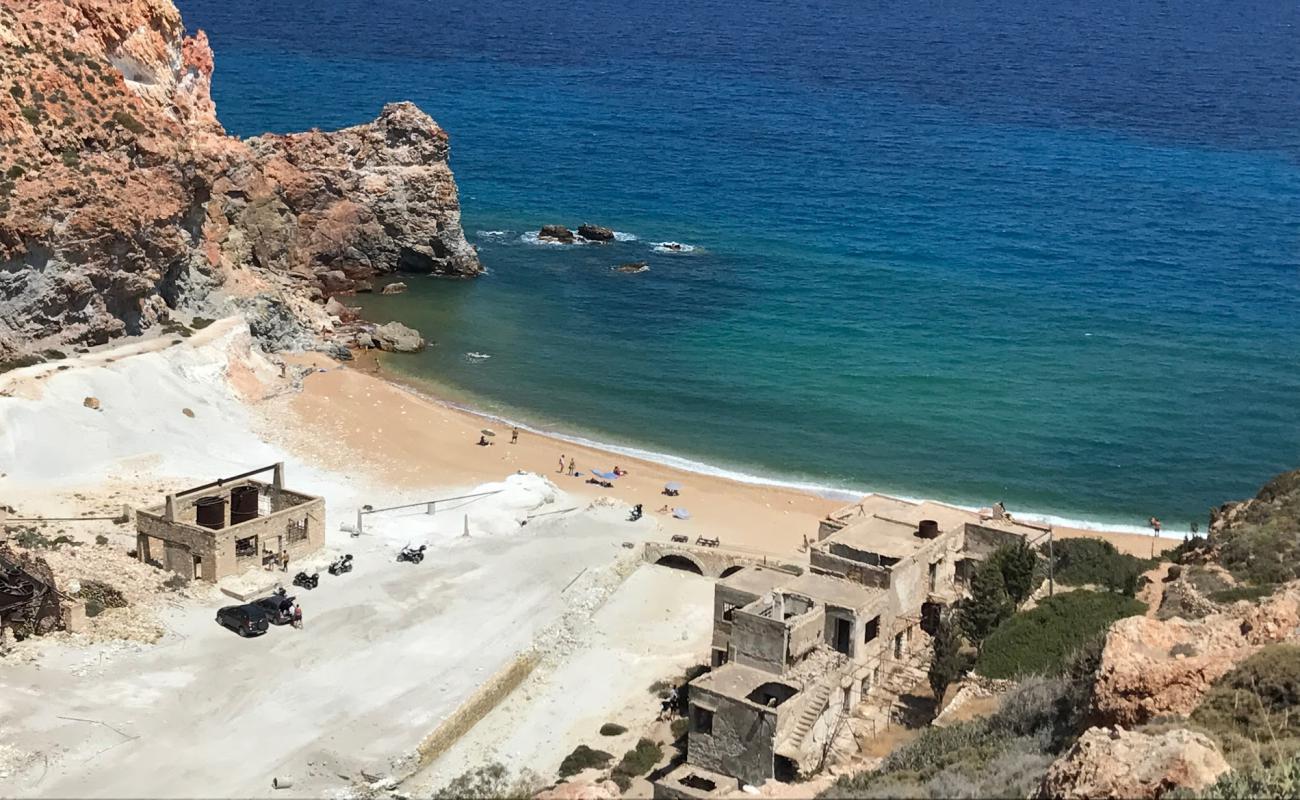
[1029, 252]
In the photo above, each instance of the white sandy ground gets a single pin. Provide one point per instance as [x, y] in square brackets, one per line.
[388, 651]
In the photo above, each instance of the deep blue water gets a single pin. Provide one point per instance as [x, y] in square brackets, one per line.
[1043, 252]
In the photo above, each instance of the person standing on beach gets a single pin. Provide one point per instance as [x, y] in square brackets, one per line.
[573, 464]
[561, 469]
[514, 436]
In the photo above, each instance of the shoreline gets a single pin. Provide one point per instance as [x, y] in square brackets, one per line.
[807, 497]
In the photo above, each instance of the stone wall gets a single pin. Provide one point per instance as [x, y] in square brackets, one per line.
[741, 743]
[758, 641]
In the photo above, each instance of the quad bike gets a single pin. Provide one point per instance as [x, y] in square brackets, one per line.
[412, 554]
[307, 581]
[341, 565]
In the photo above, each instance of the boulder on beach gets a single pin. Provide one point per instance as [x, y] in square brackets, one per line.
[595, 233]
[394, 288]
[395, 337]
[555, 233]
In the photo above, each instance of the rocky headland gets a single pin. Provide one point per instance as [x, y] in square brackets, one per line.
[123, 200]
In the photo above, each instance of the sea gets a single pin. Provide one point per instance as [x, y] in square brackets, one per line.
[1037, 251]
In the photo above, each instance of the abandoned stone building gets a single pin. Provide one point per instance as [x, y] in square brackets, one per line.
[230, 525]
[801, 662]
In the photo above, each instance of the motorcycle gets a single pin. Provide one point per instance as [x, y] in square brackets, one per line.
[341, 565]
[412, 554]
[636, 513]
[307, 581]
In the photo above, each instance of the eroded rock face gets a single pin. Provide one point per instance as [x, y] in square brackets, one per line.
[1107, 763]
[1158, 668]
[122, 198]
[555, 233]
[595, 233]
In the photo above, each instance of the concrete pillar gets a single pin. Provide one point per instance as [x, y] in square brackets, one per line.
[142, 547]
[278, 480]
[169, 512]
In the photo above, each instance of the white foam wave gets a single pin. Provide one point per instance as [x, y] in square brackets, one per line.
[491, 234]
[531, 237]
[847, 493]
[674, 248]
[623, 236]
[472, 356]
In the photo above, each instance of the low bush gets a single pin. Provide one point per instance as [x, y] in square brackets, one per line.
[102, 593]
[1004, 755]
[33, 539]
[1096, 562]
[101, 539]
[679, 727]
[584, 757]
[491, 782]
[126, 120]
[612, 729]
[639, 760]
[1254, 710]
[1042, 640]
[1279, 782]
[1242, 593]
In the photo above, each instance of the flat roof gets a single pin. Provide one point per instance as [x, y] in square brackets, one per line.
[737, 681]
[887, 525]
[757, 581]
[832, 591]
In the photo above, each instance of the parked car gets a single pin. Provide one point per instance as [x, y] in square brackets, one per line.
[278, 608]
[246, 620]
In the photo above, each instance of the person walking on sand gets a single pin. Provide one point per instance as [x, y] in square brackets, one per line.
[297, 616]
[573, 465]
[1155, 525]
[514, 436]
[561, 469]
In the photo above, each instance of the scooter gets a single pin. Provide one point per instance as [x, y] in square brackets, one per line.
[412, 554]
[307, 581]
[341, 565]
[636, 513]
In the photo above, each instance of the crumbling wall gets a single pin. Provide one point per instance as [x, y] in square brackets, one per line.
[741, 741]
[759, 642]
[858, 572]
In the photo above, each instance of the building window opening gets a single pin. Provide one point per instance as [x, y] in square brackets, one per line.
[843, 636]
[728, 611]
[872, 630]
[297, 530]
[701, 720]
[246, 548]
[934, 576]
[784, 770]
[898, 645]
[694, 781]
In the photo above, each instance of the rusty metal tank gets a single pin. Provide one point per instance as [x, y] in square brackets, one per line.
[243, 504]
[210, 511]
[928, 529]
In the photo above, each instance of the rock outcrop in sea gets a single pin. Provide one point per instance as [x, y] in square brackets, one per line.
[122, 198]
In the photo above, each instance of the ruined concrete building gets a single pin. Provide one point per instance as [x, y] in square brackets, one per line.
[799, 662]
[230, 525]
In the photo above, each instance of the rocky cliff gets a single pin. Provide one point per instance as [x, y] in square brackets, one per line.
[122, 198]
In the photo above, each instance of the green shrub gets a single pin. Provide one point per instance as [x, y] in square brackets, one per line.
[583, 757]
[491, 782]
[1242, 593]
[679, 727]
[1042, 640]
[101, 539]
[99, 592]
[199, 323]
[1096, 562]
[94, 608]
[1019, 567]
[15, 172]
[1280, 782]
[31, 114]
[1254, 710]
[640, 759]
[16, 92]
[70, 158]
[988, 605]
[612, 729]
[126, 120]
[949, 662]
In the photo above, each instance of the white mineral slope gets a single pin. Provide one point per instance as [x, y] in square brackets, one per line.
[387, 652]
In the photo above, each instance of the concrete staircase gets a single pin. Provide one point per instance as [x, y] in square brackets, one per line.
[811, 711]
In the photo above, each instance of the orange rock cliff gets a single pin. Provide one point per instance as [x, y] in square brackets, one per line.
[122, 198]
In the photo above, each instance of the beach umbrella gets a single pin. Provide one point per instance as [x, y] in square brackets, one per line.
[488, 432]
[681, 513]
[673, 487]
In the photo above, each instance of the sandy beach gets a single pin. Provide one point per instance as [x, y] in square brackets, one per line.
[409, 438]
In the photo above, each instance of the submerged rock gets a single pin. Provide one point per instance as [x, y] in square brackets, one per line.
[595, 233]
[398, 338]
[555, 233]
[633, 267]
[394, 288]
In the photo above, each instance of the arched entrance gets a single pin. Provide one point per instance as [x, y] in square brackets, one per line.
[679, 562]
